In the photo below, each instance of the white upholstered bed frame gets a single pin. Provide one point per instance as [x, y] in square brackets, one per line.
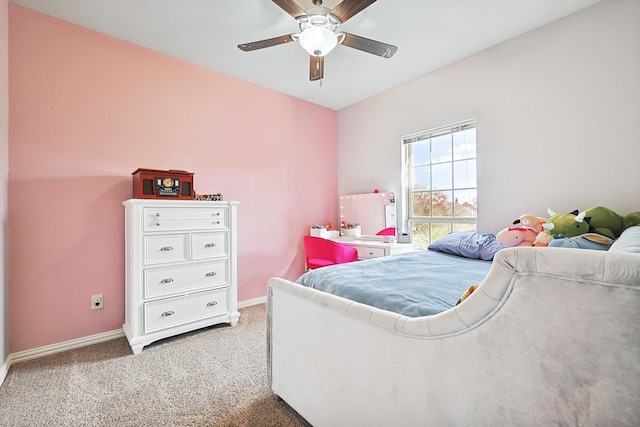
[551, 337]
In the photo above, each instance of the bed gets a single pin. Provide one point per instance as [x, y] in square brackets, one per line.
[415, 284]
[550, 337]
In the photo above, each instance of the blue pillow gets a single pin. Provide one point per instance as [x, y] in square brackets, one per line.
[468, 244]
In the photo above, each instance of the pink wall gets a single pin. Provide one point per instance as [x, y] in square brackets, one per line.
[4, 171]
[86, 110]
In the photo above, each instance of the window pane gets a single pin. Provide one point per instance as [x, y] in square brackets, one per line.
[466, 203]
[420, 232]
[421, 204]
[464, 174]
[464, 144]
[420, 153]
[439, 229]
[442, 205]
[425, 233]
[420, 179]
[441, 149]
[442, 177]
[464, 227]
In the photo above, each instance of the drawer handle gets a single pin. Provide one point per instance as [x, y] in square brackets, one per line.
[217, 213]
[210, 245]
[169, 280]
[217, 222]
[212, 303]
[167, 313]
[158, 219]
[210, 274]
[166, 248]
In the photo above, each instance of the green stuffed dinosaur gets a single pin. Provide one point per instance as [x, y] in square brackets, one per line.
[570, 224]
[608, 223]
[630, 220]
[599, 220]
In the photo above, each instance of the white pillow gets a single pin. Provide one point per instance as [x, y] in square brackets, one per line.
[629, 241]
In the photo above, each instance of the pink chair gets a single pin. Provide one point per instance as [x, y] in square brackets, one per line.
[391, 231]
[321, 252]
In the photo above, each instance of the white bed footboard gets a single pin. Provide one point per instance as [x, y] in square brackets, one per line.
[551, 337]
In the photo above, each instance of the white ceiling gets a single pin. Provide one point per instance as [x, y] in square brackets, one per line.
[429, 34]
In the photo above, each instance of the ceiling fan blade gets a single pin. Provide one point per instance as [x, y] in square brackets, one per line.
[261, 44]
[347, 8]
[316, 67]
[370, 46]
[291, 7]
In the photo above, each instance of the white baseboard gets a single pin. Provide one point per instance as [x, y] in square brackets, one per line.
[64, 346]
[47, 350]
[4, 369]
[250, 302]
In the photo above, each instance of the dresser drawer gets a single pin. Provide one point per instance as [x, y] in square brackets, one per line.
[180, 310]
[165, 248]
[164, 219]
[209, 245]
[366, 252]
[171, 281]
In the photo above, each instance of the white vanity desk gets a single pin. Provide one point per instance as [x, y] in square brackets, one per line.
[373, 212]
[372, 247]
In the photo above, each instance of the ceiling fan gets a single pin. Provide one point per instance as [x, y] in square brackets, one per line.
[318, 36]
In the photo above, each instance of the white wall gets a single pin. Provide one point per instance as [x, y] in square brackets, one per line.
[558, 113]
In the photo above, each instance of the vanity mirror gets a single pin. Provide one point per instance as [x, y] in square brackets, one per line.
[373, 211]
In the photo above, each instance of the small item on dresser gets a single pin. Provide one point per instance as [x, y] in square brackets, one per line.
[217, 197]
[350, 229]
[162, 184]
[325, 232]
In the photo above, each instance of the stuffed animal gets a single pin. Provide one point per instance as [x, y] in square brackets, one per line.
[608, 223]
[467, 293]
[584, 241]
[561, 225]
[531, 221]
[630, 220]
[599, 220]
[516, 236]
[525, 230]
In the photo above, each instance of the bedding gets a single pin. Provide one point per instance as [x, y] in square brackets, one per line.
[415, 284]
[468, 244]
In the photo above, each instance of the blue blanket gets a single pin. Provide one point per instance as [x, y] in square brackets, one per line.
[415, 284]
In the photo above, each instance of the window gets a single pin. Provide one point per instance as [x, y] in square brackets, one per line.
[439, 182]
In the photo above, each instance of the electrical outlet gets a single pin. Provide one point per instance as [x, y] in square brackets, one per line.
[97, 302]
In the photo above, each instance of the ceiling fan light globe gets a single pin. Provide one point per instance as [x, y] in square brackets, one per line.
[318, 41]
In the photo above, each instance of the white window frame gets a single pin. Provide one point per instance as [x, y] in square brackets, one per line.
[409, 221]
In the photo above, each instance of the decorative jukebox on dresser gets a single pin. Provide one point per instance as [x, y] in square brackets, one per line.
[162, 184]
[181, 268]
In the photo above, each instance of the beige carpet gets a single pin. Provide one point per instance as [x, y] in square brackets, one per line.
[211, 377]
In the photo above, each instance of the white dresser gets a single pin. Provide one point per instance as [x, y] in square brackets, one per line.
[181, 267]
[375, 248]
